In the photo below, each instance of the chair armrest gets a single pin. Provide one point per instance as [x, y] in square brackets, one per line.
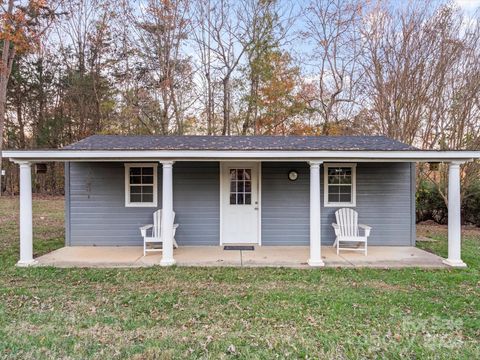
[144, 229]
[366, 228]
[336, 227]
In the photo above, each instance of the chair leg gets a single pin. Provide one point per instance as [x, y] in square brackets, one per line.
[338, 246]
[144, 248]
[365, 248]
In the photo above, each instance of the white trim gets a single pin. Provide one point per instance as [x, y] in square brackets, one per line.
[315, 258]
[154, 155]
[166, 231]
[220, 203]
[259, 205]
[26, 234]
[326, 203]
[154, 203]
[454, 217]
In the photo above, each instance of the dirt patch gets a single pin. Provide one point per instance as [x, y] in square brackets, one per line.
[430, 228]
[383, 286]
[425, 239]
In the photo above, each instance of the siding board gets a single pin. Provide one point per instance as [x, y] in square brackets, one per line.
[96, 213]
[384, 201]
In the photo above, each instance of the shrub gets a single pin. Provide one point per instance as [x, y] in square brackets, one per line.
[471, 204]
[429, 203]
[431, 206]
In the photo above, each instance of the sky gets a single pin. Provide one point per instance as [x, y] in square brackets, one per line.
[468, 5]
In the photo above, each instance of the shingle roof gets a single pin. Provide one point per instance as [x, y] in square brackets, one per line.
[242, 143]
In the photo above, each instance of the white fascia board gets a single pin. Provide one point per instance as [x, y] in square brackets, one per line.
[192, 155]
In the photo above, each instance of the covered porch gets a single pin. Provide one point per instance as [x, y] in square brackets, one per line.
[314, 254]
[102, 182]
[278, 256]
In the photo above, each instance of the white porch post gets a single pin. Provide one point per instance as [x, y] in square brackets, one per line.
[167, 213]
[315, 227]
[454, 223]
[26, 233]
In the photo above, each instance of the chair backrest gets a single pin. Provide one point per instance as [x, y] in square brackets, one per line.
[157, 223]
[347, 219]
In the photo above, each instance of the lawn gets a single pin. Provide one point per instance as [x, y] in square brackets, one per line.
[232, 312]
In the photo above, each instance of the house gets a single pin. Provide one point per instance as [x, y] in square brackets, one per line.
[263, 190]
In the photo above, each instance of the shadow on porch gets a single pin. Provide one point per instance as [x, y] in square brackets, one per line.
[268, 256]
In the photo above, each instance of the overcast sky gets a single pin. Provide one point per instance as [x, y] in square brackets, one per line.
[468, 5]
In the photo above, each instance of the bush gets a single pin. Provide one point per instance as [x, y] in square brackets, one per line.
[471, 204]
[431, 206]
[429, 203]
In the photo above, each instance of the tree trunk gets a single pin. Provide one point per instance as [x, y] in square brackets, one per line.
[252, 108]
[226, 106]
[8, 54]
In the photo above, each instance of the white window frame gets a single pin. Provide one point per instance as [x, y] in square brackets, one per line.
[127, 185]
[353, 203]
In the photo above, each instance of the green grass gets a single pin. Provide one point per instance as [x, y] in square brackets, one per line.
[231, 312]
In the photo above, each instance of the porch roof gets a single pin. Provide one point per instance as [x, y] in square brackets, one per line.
[271, 148]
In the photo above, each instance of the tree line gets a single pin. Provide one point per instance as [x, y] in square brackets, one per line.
[408, 70]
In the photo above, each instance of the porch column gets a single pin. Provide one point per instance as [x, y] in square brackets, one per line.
[454, 223]
[26, 237]
[315, 227]
[167, 214]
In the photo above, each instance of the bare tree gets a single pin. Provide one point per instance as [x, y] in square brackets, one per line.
[202, 35]
[160, 34]
[422, 80]
[333, 26]
[398, 80]
[84, 40]
[228, 47]
[452, 109]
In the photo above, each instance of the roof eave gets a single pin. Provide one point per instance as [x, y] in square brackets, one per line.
[270, 155]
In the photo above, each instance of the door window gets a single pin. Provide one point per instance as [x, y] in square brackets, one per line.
[240, 186]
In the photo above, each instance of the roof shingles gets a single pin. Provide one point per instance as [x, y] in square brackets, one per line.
[240, 143]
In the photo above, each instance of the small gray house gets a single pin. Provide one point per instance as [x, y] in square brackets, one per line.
[250, 190]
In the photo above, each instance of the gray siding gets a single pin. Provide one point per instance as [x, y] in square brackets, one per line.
[67, 203]
[98, 215]
[196, 201]
[413, 204]
[96, 212]
[384, 201]
[285, 204]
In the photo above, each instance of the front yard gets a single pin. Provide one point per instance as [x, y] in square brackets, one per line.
[232, 312]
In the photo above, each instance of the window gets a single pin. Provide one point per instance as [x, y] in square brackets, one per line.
[141, 185]
[340, 183]
[240, 186]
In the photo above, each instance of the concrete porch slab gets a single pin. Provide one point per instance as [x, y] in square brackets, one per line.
[266, 256]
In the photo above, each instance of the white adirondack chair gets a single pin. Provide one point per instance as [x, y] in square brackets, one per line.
[347, 230]
[152, 233]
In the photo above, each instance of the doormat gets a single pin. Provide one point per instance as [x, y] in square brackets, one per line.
[239, 247]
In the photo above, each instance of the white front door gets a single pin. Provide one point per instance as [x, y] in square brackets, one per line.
[239, 202]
